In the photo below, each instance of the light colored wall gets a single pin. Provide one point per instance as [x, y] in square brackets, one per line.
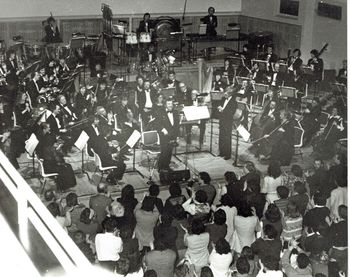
[39, 8]
[316, 30]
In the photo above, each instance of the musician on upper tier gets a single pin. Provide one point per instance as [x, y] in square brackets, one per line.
[294, 64]
[316, 64]
[271, 58]
[52, 32]
[211, 21]
[146, 24]
[245, 67]
[343, 73]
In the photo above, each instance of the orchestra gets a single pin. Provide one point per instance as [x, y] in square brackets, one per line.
[110, 109]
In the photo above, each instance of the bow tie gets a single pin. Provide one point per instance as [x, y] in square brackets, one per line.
[170, 112]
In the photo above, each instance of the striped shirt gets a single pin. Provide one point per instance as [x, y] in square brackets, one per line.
[292, 228]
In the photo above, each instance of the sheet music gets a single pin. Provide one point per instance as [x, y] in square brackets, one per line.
[31, 144]
[82, 140]
[196, 113]
[133, 139]
[243, 132]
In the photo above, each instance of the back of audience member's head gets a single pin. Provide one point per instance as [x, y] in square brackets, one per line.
[247, 252]
[178, 212]
[54, 209]
[153, 190]
[270, 262]
[206, 272]
[181, 270]
[125, 232]
[244, 209]
[299, 187]
[102, 188]
[122, 266]
[320, 199]
[226, 200]
[222, 247]
[159, 242]
[166, 219]
[296, 170]
[220, 217]
[303, 261]
[282, 192]
[205, 177]
[116, 208]
[274, 169]
[292, 210]
[197, 226]
[230, 177]
[147, 204]
[85, 216]
[343, 211]
[72, 199]
[78, 237]
[150, 273]
[201, 196]
[175, 190]
[108, 225]
[242, 265]
[49, 195]
[270, 232]
[273, 213]
[128, 193]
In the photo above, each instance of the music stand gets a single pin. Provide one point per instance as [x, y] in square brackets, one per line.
[216, 95]
[168, 92]
[243, 132]
[241, 79]
[30, 146]
[80, 143]
[131, 142]
[260, 89]
[283, 67]
[288, 92]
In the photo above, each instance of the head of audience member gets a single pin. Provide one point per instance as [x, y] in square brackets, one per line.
[270, 232]
[62, 99]
[343, 212]
[226, 200]
[205, 177]
[169, 104]
[166, 219]
[175, 190]
[182, 86]
[270, 262]
[126, 232]
[122, 266]
[302, 260]
[339, 176]
[249, 167]
[296, 53]
[206, 272]
[211, 11]
[248, 253]
[222, 247]
[230, 177]
[253, 182]
[140, 81]
[201, 197]
[102, 188]
[282, 192]
[320, 199]
[147, 204]
[127, 193]
[299, 187]
[274, 169]
[72, 199]
[101, 111]
[116, 209]
[242, 265]
[220, 217]
[87, 215]
[273, 213]
[244, 209]
[54, 209]
[296, 170]
[108, 225]
[153, 190]
[150, 273]
[197, 226]
[50, 195]
[78, 237]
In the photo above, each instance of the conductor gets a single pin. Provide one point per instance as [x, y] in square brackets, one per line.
[167, 125]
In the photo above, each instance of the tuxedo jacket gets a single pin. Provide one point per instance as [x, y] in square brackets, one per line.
[66, 114]
[142, 26]
[33, 91]
[141, 98]
[279, 78]
[52, 36]
[296, 65]
[211, 25]
[226, 116]
[53, 124]
[162, 122]
[12, 77]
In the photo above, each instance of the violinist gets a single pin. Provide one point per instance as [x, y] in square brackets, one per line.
[316, 65]
[270, 58]
[43, 78]
[310, 122]
[106, 123]
[84, 102]
[67, 111]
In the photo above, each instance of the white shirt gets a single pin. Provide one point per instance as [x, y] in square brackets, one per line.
[274, 77]
[96, 130]
[171, 118]
[37, 87]
[57, 121]
[226, 102]
[148, 103]
[108, 247]
[271, 111]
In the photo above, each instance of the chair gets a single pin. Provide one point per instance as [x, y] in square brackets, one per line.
[298, 140]
[99, 165]
[151, 145]
[324, 119]
[116, 123]
[43, 174]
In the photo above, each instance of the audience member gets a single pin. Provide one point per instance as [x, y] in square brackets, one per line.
[272, 180]
[100, 201]
[282, 201]
[220, 258]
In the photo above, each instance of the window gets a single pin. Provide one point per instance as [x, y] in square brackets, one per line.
[289, 7]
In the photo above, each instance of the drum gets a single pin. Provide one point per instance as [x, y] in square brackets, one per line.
[165, 25]
[131, 38]
[145, 38]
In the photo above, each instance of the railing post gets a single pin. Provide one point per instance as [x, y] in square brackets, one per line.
[22, 206]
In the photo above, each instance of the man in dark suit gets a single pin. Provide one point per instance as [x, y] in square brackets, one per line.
[277, 77]
[227, 109]
[146, 99]
[52, 32]
[54, 120]
[171, 81]
[108, 155]
[167, 125]
[67, 110]
[271, 58]
[34, 87]
[146, 24]
[211, 21]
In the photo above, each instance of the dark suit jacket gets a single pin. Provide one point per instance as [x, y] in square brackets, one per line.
[279, 78]
[142, 26]
[162, 121]
[211, 25]
[51, 36]
[226, 116]
[53, 124]
[141, 98]
[66, 114]
[12, 77]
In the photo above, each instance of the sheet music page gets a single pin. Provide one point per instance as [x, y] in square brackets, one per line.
[82, 140]
[133, 139]
[243, 132]
[196, 113]
[31, 144]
